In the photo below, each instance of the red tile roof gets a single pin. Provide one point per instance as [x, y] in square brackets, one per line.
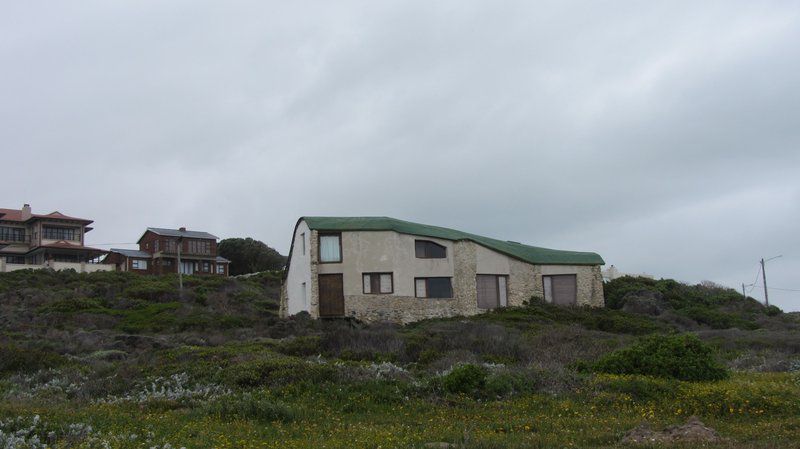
[16, 215]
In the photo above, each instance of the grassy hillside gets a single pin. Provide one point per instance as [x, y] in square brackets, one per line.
[126, 361]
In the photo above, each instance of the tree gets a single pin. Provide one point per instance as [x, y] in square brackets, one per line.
[250, 256]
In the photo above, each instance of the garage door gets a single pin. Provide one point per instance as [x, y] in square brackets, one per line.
[561, 289]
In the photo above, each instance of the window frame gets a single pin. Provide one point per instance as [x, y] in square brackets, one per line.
[428, 242]
[12, 234]
[497, 289]
[427, 287]
[319, 246]
[378, 274]
[66, 233]
[136, 264]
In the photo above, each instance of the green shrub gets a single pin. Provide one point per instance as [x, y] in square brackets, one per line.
[153, 288]
[16, 359]
[716, 319]
[465, 379]
[70, 305]
[277, 371]
[250, 406]
[602, 319]
[639, 388]
[508, 383]
[300, 346]
[151, 317]
[682, 357]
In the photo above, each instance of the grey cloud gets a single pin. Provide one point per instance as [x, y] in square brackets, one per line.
[662, 135]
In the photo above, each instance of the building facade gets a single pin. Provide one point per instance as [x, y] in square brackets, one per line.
[383, 269]
[163, 251]
[53, 240]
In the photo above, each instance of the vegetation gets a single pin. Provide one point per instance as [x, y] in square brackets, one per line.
[127, 361]
[682, 357]
[250, 256]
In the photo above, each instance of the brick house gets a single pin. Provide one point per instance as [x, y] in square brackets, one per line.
[53, 240]
[384, 269]
[160, 249]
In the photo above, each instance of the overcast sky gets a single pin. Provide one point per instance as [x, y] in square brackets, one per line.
[663, 135]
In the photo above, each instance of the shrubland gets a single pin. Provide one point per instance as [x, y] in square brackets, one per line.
[121, 360]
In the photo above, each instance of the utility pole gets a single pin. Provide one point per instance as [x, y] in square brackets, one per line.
[180, 267]
[743, 291]
[764, 278]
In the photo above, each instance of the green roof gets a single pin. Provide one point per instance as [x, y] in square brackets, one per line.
[530, 254]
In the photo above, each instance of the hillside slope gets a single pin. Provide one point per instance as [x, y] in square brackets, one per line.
[146, 366]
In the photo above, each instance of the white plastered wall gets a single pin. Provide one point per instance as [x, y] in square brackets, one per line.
[299, 298]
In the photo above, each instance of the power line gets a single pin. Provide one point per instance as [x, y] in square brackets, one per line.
[782, 289]
[753, 284]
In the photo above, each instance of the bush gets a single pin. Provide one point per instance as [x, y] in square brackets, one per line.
[682, 357]
[248, 406]
[465, 379]
[639, 388]
[16, 359]
[508, 383]
[277, 371]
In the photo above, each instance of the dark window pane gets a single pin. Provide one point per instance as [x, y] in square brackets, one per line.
[425, 249]
[375, 283]
[440, 288]
[419, 246]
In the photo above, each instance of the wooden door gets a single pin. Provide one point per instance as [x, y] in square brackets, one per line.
[331, 295]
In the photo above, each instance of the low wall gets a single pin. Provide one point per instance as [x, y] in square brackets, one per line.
[79, 267]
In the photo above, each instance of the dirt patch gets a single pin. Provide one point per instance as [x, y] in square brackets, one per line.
[693, 431]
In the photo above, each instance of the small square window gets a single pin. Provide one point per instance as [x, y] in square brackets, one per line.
[378, 283]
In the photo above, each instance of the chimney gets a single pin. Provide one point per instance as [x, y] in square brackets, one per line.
[182, 229]
[26, 212]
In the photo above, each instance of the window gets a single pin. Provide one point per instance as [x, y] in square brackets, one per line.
[330, 248]
[305, 295]
[433, 287]
[378, 283]
[167, 262]
[155, 245]
[170, 246]
[560, 289]
[8, 234]
[206, 267]
[15, 259]
[425, 249]
[303, 242]
[58, 233]
[199, 247]
[138, 264]
[220, 268]
[187, 267]
[492, 291]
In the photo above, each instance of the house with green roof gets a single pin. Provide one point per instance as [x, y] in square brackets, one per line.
[385, 269]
